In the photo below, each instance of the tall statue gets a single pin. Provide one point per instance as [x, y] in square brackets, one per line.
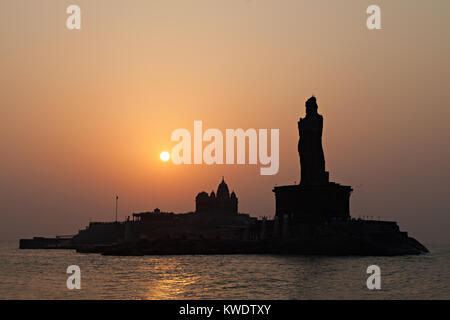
[312, 160]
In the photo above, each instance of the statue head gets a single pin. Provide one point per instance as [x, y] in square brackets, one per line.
[311, 105]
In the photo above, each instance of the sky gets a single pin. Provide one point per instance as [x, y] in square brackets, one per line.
[84, 114]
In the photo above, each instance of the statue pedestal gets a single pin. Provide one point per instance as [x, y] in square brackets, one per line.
[313, 204]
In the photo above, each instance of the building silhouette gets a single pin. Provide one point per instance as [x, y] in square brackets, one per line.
[312, 217]
[221, 203]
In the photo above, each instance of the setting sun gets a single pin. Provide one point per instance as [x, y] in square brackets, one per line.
[165, 156]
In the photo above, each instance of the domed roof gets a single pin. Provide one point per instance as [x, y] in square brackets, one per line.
[202, 195]
[222, 190]
[212, 195]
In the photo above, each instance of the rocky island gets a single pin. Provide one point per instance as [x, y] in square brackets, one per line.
[311, 218]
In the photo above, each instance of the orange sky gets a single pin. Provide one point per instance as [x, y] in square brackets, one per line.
[85, 114]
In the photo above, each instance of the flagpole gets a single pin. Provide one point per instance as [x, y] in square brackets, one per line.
[117, 198]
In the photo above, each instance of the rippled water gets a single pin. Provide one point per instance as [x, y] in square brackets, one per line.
[41, 274]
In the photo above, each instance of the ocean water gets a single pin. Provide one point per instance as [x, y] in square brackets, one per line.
[41, 274]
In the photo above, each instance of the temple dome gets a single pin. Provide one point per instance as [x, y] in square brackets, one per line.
[222, 190]
[220, 203]
[202, 195]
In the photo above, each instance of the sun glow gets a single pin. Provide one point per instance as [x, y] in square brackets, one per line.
[165, 156]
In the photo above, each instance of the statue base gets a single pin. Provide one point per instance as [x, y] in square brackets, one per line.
[313, 204]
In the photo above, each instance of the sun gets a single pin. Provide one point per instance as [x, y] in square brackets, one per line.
[165, 156]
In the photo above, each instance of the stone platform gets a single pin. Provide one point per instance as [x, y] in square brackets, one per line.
[308, 204]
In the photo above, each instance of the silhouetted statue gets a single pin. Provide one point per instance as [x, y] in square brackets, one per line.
[312, 160]
[315, 199]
